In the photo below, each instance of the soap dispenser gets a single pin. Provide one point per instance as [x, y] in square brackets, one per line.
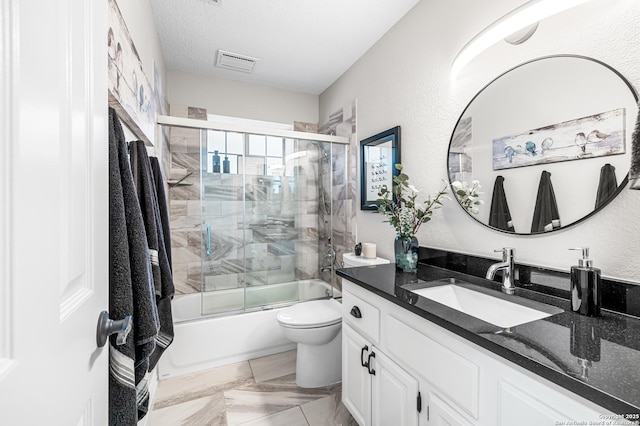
[586, 286]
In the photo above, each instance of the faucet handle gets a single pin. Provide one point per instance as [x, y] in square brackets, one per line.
[507, 252]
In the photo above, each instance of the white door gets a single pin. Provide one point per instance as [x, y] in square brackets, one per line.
[394, 399]
[54, 211]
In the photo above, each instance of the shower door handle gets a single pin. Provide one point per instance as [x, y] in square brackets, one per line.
[208, 242]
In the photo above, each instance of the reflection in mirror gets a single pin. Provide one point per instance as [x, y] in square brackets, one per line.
[549, 141]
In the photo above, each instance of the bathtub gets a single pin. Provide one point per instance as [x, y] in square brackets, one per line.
[203, 342]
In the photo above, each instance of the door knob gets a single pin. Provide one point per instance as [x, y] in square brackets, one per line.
[107, 327]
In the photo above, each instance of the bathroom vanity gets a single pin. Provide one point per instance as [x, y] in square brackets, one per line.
[409, 360]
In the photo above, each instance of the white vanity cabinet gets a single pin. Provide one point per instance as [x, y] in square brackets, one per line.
[459, 383]
[374, 388]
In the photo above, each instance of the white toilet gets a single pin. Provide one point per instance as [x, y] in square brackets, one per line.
[316, 327]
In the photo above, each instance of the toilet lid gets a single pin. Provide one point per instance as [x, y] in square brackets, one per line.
[316, 313]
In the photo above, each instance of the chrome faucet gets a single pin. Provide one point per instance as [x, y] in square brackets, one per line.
[507, 266]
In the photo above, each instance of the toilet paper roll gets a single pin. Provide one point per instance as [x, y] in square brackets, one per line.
[369, 250]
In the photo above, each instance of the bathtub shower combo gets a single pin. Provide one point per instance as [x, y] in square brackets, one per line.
[259, 223]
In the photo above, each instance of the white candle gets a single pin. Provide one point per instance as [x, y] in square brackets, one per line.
[369, 250]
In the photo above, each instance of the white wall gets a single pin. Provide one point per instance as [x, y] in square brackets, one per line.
[404, 80]
[238, 99]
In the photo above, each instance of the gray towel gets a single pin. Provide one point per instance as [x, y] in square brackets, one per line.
[607, 186]
[163, 205]
[545, 215]
[147, 189]
[634, 171]
[499, 215]
[130, 286]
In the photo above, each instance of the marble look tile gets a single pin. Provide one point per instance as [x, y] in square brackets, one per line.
[328, 411]
[185, 223]
[177, 208]
[194, 208]
[197, 113]
[273, 366]
[208, 411]
[203, 383]
[301, 126]
[291, 417]
[178, 239]
[190, 162]
[184, 192]
[251, 402]
[184, 255]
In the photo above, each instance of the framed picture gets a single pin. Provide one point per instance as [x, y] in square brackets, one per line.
[597, 135]
[378, 156]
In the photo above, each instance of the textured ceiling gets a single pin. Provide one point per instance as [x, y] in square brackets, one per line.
[302, 45]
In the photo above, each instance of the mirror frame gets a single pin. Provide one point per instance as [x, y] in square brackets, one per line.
[621, 185]
[367, 201]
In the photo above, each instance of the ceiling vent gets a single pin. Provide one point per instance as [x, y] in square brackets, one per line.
[235, 61]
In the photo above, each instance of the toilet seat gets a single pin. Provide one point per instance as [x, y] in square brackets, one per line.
[313, 314]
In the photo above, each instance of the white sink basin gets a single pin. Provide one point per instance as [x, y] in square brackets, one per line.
[490, 309]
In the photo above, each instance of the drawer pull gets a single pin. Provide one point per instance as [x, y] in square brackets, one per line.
[355, 312]
[371, 370]
[362, 362]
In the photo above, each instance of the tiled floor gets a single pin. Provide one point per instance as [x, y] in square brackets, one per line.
[258, 392]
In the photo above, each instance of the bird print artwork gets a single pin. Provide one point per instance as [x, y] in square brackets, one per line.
[531, 148]
[596, 136]
[581, 142]
[520, 150]
[546, 144]
[509, 153]
[592, 136]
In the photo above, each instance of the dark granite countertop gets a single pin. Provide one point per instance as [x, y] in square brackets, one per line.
[596, 358]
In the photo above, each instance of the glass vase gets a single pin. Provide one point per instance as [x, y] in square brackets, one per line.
[406, 251]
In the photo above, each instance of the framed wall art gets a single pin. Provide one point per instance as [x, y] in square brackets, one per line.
[378, 156]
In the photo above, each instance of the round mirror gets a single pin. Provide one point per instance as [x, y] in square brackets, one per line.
[549, 141]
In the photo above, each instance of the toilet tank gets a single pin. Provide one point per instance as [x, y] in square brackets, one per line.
[350, 260]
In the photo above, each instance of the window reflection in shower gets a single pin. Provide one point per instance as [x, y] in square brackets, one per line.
[269, 214]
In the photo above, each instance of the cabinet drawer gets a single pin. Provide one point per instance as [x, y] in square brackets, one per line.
[362, 316]
[454, 376]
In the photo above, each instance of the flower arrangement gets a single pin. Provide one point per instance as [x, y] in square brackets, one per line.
[404, 213]
[468, 196]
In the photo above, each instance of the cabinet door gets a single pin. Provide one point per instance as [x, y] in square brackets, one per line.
[441, 414]
[356, 380]
[394, 399]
